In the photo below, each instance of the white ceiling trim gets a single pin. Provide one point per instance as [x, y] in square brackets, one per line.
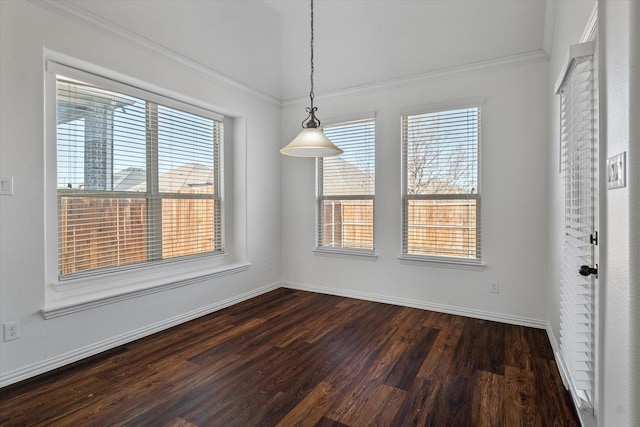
[549, 25]
[88, 19]
[508, 61]
[591, 29]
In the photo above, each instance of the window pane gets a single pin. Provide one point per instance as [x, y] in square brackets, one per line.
[189, 226]
[353, 172]
[346, 220]
[98, 232]
[442, 228]
[100, 138]
[186, 152]
[129, 147]
[347, 224]
[442, 152]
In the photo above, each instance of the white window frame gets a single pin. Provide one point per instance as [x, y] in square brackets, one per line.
[354, 253]
[69, 296]
[432, 260]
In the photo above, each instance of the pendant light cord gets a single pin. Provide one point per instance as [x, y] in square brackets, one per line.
[311, 121]
[311, 44]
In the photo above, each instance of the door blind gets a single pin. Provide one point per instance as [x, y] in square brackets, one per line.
[577, 166]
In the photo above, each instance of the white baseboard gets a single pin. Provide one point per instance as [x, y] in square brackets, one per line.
[555, 346]
[91, 350]
[442, 308]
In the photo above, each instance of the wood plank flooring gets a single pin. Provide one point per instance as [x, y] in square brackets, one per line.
[293, 358]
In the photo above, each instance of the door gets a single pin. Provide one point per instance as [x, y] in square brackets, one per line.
[579, 153]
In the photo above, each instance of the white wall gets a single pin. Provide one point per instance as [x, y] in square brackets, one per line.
[211, 33]
[27, 29]
[513, 191]
[619, 366]
[634, 209]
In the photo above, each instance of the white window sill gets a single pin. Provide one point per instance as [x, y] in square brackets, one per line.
[72, 296]
[442, 262]
[346, 253]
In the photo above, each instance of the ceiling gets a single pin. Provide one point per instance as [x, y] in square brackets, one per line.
[360, 42]
[264, 44]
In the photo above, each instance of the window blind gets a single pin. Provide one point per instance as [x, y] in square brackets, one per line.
[346, 188]
[578, 166]
[441, 201]
[137, 181]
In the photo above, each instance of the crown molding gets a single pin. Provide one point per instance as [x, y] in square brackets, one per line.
[491, 64]
[591, 29]
[549, 26]
[97, 23]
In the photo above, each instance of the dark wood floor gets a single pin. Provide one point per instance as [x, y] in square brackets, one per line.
[291, 358]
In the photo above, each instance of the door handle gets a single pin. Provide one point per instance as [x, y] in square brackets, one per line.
[585, 270]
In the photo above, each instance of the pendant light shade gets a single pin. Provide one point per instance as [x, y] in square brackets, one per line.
[311, 142]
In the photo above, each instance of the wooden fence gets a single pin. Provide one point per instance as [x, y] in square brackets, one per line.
[109, 232]
[348, 224]
[434, 227]
[442, 228]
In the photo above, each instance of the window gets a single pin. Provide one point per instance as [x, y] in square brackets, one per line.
[346, 188]
[137, 181]
[441, 200]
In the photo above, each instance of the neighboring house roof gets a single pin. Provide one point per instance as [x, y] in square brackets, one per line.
[128, 178]
[187, 177]
[346, 178]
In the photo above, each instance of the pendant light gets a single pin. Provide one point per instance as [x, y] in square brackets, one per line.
[311, 141]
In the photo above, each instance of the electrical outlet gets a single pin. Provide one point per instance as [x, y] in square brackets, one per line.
[495, 288]
[11, 330]
[269, 265]
[6, 185]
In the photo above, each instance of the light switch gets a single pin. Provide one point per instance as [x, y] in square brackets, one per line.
[617, 171]
[6, 185]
